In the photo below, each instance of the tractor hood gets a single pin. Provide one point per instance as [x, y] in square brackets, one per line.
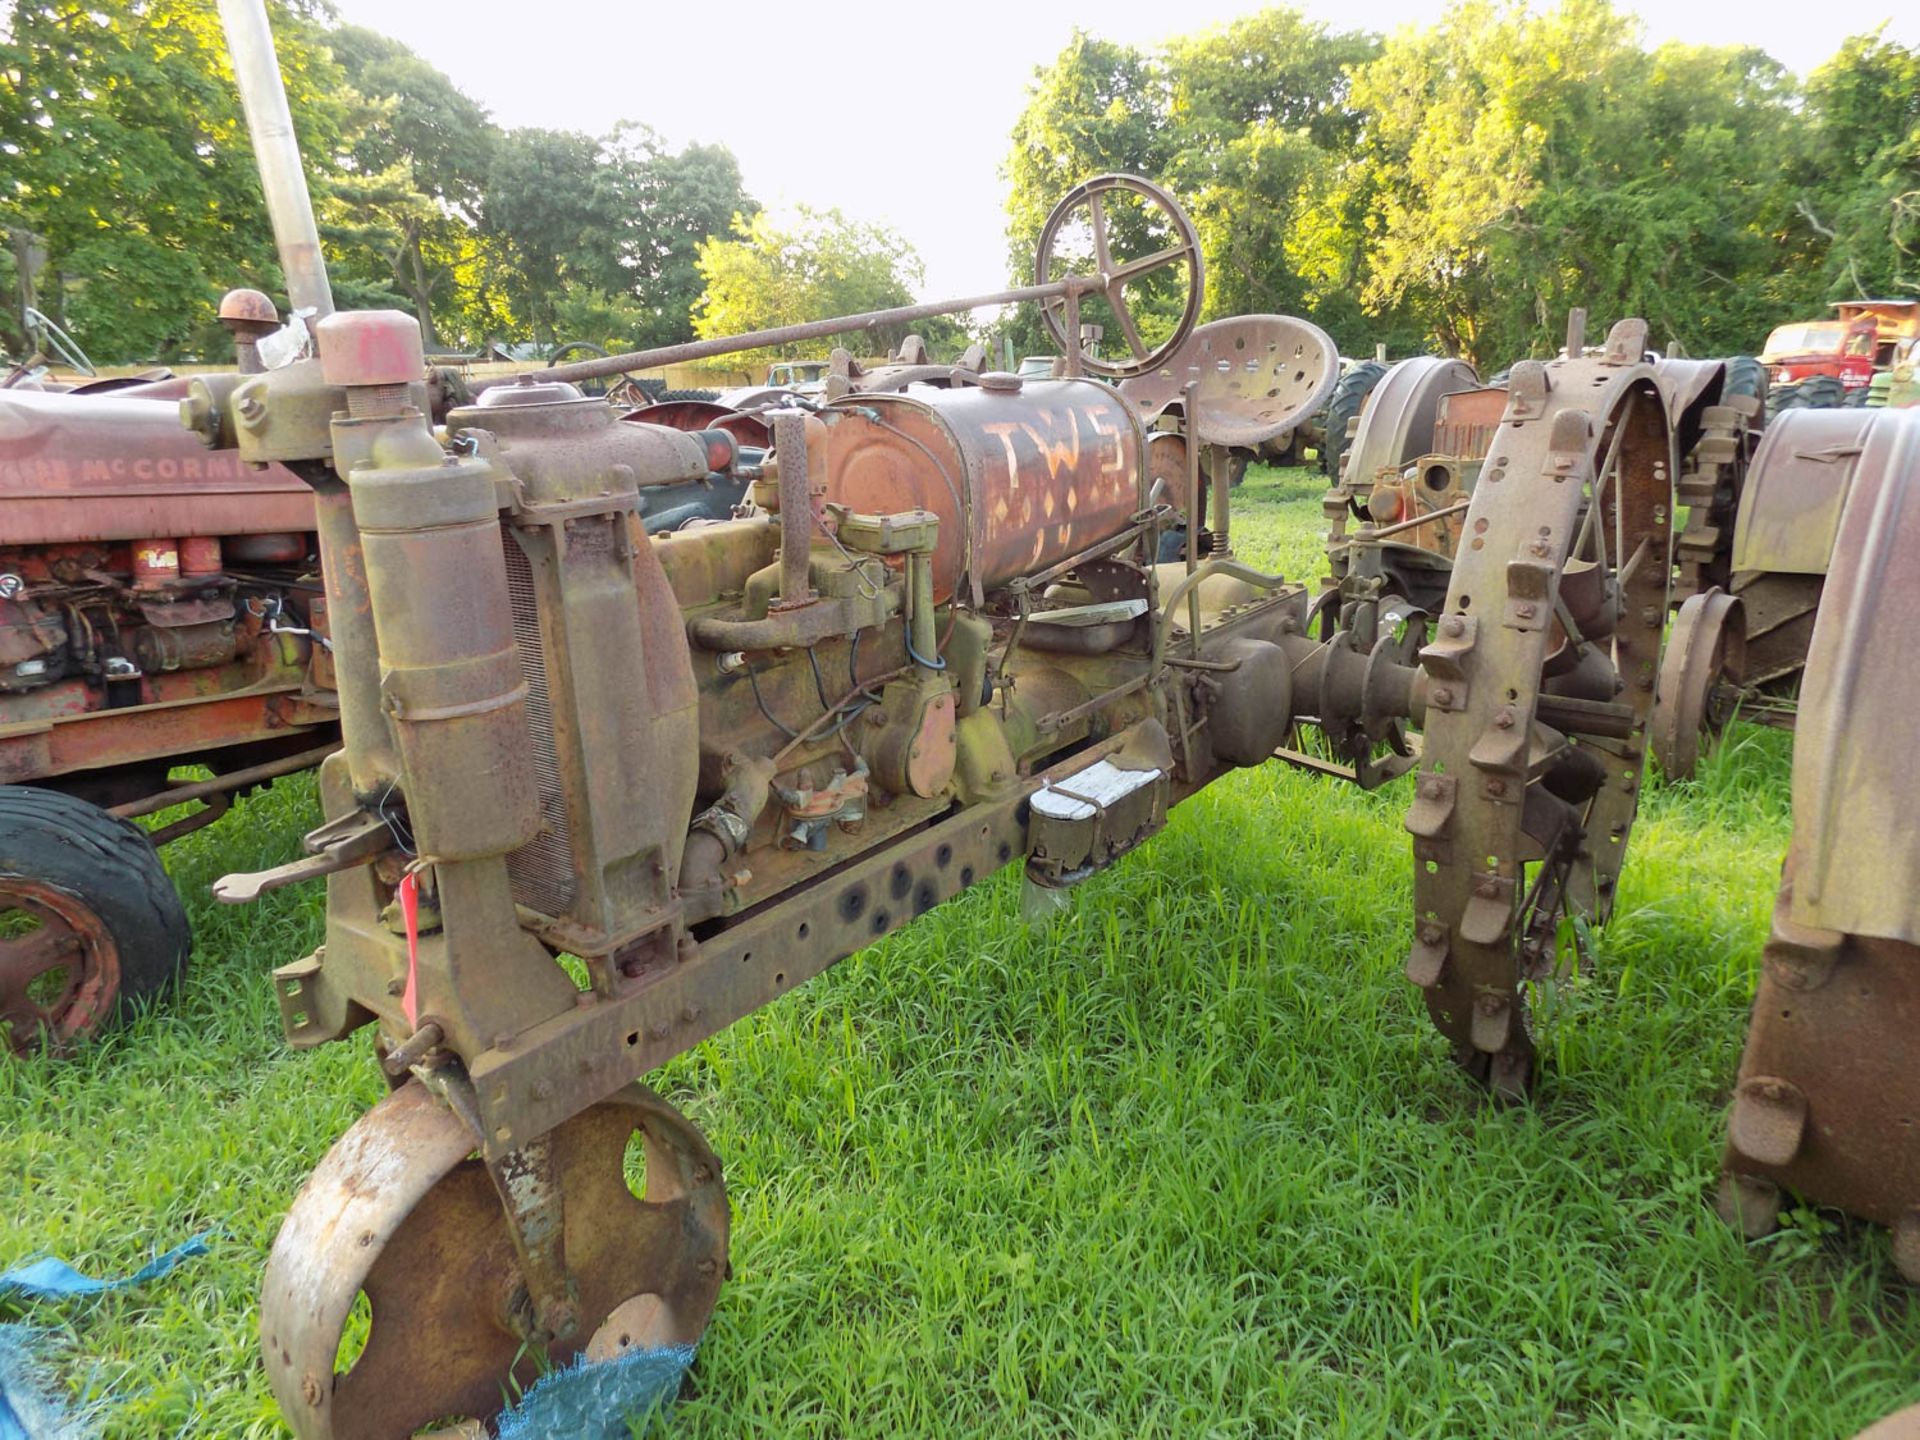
[105, 467]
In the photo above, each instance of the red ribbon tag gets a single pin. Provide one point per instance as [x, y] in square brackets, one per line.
[410, 913]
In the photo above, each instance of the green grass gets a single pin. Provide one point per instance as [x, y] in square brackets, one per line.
[1189, 1163]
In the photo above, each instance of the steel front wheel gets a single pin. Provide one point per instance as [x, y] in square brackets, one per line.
[398, 1251]
[89, 922]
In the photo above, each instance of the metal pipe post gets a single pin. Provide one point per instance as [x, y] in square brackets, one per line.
[277, 153]
[796, 508]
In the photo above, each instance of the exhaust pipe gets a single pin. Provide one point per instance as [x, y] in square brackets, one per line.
[277, 155]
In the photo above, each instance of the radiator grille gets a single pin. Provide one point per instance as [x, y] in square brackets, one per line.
[542, 871]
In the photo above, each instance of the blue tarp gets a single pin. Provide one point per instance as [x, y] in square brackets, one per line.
[598, 1401]
[49, 1278]
[29, 1407]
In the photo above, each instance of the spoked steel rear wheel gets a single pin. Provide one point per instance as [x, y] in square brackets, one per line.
[1539, 687]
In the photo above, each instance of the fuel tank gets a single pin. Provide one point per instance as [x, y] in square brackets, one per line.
[105, 467]
[1021, 474]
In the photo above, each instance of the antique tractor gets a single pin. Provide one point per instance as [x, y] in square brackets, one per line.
[1417, 456]
[601, 794]
[1827, 1107]
[161, 605]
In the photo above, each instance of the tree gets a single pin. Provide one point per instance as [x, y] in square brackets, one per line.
[1262, 119]
[617, 216]
[126, 155]
[419, 157]
[1519, 164]
[1862, 170]
[810, 266]
[1250, 124]
[684, 200]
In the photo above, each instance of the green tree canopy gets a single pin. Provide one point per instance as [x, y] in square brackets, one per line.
[1460, 186]
[1863, 169]
[127, 184]
[124, 151]
[810, 265]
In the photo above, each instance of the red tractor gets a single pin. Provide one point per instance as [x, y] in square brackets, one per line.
[160, 606]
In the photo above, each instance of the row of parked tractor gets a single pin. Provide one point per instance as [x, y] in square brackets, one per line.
[556, 735]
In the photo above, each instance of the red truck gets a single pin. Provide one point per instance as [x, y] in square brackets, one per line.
[1864, 336]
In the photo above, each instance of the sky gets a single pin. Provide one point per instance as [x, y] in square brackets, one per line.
[899, 113]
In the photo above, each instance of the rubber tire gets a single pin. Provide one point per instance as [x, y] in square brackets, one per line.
[1350, 393]
[109, 865]
[1782, 398]
[665, 395]
[1745, 376]
[1822, 392]
[1856, 398]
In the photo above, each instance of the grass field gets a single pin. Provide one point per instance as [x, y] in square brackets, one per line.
[1189, 1163]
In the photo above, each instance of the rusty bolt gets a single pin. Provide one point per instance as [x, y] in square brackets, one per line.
[707, 1266]
[250, 407]
[1434, 788]
[1526, 612]
[310, 1389]
[1540, 549]
[1650, 616]
[1442, 697]
[660, 1029]
[686, 948]
[1487, 887]
[1496, 787]
[1431, 934]
[397, 985]
[690, 1014]
[1491, 1004]
[1504, 717]
[1453, 625]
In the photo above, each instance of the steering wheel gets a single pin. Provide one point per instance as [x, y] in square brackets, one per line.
[1115, 274]
[52, 341]
[607, 387]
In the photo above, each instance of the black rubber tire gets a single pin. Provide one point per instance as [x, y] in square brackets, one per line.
[1350, 393]
[1746, 376]
[1856, 398]
[650, 386]
[1822, 392]
[665, 395]
[1236, 466]
[1782, 398]
[106, 865]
